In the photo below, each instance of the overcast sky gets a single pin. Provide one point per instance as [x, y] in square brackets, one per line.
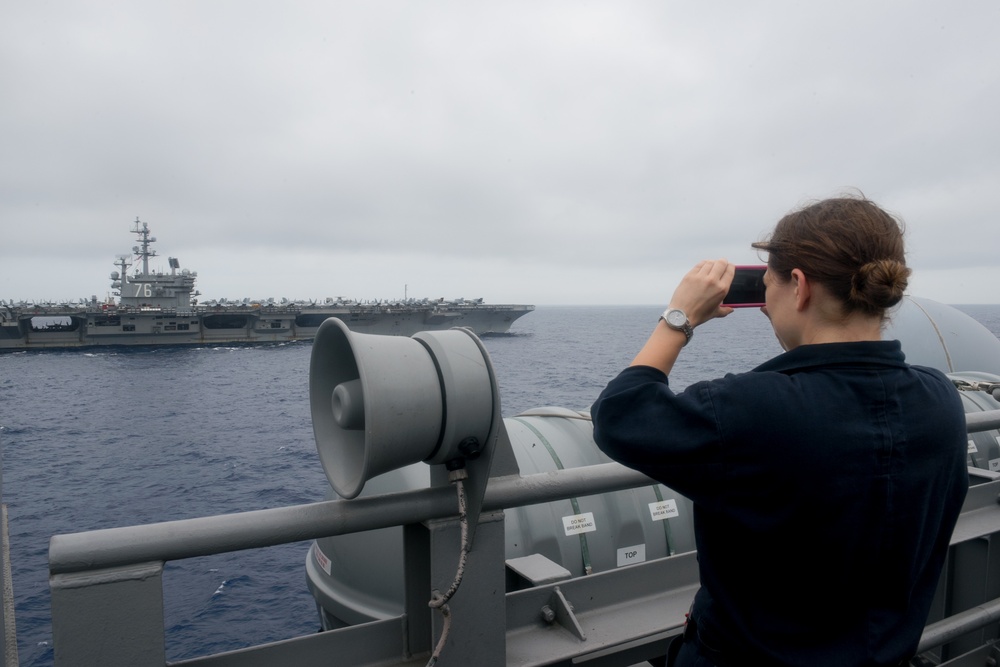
[528, 152]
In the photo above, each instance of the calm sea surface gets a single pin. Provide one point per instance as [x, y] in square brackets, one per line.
[102, 439]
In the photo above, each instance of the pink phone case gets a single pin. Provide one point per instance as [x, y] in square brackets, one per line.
[755, 268]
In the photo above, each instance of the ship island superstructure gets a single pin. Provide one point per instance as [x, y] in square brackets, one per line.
[154, 308]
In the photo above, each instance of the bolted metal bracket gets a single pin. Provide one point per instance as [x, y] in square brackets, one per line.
[559, 610]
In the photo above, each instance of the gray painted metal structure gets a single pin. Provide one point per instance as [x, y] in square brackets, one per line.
[8, 629]
[112, 579]
[107, 585]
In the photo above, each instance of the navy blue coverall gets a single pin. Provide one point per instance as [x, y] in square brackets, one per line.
[826, 484]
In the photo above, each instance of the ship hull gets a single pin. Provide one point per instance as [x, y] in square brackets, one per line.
[69, 328]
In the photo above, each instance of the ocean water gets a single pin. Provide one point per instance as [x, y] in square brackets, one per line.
[114, 438]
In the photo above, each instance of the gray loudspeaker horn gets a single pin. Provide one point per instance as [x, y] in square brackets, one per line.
[383, 402]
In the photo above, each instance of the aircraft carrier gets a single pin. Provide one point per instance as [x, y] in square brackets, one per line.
[161, 309]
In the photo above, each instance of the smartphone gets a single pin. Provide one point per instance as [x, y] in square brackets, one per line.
[747, 289]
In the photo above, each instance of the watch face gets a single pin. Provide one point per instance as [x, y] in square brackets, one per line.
[676, 318]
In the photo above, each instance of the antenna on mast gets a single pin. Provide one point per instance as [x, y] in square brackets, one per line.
[142, 250]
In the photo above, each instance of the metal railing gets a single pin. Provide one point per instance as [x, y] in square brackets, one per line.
[112, 580]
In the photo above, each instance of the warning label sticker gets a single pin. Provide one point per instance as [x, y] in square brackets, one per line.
[579, 523]
[321, 558]
[663, 509]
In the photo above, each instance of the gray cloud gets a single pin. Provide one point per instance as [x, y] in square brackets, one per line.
[545, 152]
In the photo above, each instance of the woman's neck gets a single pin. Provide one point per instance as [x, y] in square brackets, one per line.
[853, 329]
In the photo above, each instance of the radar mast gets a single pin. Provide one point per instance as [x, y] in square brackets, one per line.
[142, 250]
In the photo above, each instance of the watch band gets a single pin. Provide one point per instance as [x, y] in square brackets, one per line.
[677, 319]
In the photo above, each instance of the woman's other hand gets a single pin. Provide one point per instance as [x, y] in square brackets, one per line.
[701, 291]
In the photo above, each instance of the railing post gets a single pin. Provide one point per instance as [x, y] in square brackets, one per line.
[417, 575]
[109, 618]
[8, 631]
[478, 632]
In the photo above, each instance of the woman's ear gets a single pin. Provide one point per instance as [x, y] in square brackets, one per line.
[803, 289]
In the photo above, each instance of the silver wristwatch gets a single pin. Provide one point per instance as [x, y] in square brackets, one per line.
[678, 319]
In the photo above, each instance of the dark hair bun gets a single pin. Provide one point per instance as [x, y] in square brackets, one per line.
[879, 284]
[847, 244]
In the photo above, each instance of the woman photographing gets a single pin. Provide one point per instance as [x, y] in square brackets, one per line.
[827, 481]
